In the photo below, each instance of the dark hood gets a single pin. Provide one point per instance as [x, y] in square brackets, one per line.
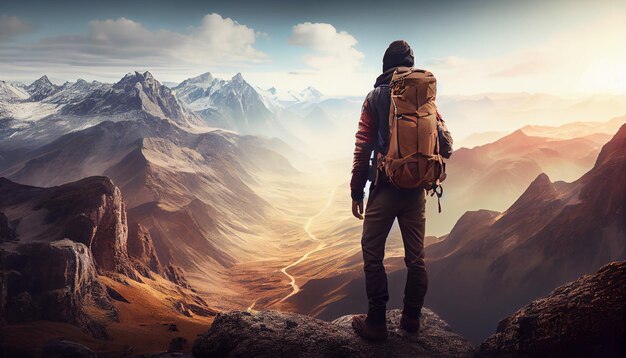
[385, 77]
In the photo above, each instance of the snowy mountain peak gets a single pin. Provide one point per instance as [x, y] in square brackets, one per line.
[131, 79]
[204, 81]
[238, 78]
[198, 80]
[310, 93]
[41, 88]
[41, 81]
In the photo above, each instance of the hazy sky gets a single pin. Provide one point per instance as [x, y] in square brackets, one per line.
[565, 47]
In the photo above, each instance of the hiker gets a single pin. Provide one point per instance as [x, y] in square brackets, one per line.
[408, 145]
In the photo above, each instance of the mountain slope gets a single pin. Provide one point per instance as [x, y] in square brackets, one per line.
[552, 234]
[493, 175]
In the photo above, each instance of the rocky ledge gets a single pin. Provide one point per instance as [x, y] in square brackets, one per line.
[584, 318]
[277, 334]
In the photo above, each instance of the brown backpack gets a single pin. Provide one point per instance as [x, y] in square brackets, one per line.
[413, 159]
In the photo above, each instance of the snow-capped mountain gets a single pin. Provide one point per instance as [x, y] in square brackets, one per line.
[136, 92]
[286, 99]
[41, 89]
[308, 94]
[230, 104]
[12, 92]
[75, 92]
[80, 105]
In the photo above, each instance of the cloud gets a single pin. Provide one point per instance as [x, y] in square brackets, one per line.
[332, 50]
[11, 27]
[124, 43]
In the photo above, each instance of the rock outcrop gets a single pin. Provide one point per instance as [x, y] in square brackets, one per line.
[7, 232]
[141, 250]
[53, 281]
[90, 211]
[276, 334]
[585, 318]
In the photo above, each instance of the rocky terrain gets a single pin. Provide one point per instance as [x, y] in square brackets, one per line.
[55, 245]
[584, 318]
[275, 334]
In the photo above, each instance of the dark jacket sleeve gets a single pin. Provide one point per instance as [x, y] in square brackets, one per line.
[365, 142]
[445, 138]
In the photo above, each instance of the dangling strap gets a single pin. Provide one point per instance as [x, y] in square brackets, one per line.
[439, 194]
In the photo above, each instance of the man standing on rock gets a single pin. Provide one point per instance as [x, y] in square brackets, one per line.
[408, 149]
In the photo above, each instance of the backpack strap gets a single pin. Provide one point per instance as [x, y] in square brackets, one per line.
[439, 194]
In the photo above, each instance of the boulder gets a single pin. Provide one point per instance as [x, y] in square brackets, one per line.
[277, 334]
[60, 348]
[584, 318]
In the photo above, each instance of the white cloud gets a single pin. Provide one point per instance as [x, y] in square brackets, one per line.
[332, 50]
[11, 26]
[123, 44]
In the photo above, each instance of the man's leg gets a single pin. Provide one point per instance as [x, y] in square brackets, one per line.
[380, 213]
[412, 223]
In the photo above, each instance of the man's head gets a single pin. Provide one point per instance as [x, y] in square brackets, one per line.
[399, 53]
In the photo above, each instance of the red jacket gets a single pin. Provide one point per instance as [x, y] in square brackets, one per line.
[366, 140]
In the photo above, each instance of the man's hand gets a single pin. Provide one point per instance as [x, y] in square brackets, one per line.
[357, 209]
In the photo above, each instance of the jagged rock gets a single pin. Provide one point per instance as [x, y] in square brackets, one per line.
[60, 348]
[7, 232]
[116, 295]
[176, 275]
[276, 334]
[53, 281]
[584, 318]
[90, 211]
[141, 249]
[41, 88]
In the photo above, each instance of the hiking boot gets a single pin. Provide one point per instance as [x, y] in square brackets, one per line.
[409, 324]
[374, 332]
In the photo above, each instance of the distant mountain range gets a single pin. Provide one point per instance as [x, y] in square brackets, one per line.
[506, 112]
[492, 176]
[201, 102]
[79, 105]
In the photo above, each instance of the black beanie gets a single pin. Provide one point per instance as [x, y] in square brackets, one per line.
[399, 53]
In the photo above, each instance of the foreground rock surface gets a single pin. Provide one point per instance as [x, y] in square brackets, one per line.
[277, 334]
[584, 318]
